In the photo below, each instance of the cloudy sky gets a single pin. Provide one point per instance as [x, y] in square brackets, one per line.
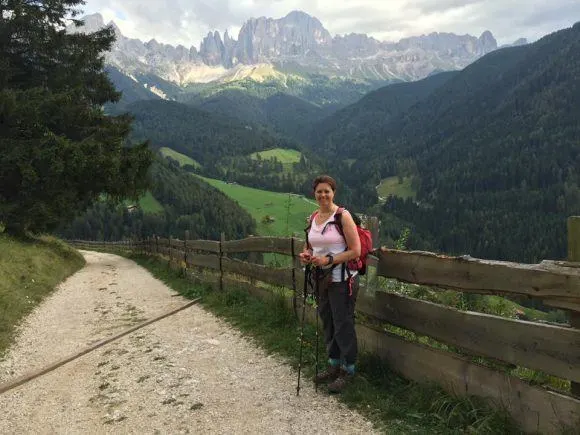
[187, 21]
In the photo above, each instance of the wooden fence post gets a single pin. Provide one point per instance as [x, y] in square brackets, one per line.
[222, 240]
[156, 244]
[294, 266]
[574, 255]
[186, 238]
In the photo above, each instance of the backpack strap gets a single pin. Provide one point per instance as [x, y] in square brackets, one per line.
[345, 271]
[338, 220]
[307, 229]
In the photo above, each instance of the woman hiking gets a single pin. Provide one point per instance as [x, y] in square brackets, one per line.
[331, 241]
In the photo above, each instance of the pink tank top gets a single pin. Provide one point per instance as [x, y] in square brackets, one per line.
[331, 242]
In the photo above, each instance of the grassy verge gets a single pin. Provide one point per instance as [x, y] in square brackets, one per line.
[30, 270]
[392, 403]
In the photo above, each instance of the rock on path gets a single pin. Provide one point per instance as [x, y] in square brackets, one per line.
[188, 373]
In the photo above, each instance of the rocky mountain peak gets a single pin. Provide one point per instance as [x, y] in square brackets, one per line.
[298, 40]
[293, 35]
[92, 23]
[212, 49]
[487, 42]
[297, 15]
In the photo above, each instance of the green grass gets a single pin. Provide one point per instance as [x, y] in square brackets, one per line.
[149, 204]
[391, 186]
[283, 155]
[30, 269]
[289, 211]
[393, 404]
[182, 159]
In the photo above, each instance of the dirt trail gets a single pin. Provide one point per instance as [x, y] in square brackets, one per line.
[188, 373]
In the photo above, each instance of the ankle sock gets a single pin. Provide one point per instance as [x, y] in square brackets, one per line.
[349, 368]
[334, 362]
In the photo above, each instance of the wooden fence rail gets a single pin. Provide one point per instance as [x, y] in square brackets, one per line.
[547, 281]
[552, 349]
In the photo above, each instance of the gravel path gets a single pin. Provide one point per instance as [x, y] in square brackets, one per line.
[188, 373]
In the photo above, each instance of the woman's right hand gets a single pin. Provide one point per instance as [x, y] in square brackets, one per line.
[305, 257]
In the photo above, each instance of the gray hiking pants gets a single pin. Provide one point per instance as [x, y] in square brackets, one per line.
[336, 310]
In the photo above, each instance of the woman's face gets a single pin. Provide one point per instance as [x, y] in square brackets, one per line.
[323, 194]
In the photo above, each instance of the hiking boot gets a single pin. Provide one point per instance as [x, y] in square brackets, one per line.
[328, 375]
[340, 383]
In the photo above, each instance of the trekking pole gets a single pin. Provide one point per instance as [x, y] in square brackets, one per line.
[316, 297]
[306, 276]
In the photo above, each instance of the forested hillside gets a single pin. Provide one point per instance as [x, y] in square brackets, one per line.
[203, 136]
[131, 91]
[496, 150]
[348, 130]
[188, 204]
[283, 113]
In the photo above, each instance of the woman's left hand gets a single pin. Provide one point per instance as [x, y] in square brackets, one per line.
[320, 261]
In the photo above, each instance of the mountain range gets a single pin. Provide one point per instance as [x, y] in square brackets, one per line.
[297, 45]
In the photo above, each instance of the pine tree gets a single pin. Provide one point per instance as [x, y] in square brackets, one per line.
[59, 152]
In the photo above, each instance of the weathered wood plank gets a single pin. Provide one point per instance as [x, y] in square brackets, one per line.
[199, 260]
[163, 242]
[280, 245]
[298, 246]
[535, 409]
[563, 304]
[372, 261]
[480, 276]
[281, 277]
[204, 245]
[553, 349]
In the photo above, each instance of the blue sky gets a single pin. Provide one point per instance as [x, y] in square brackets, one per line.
[188, 21]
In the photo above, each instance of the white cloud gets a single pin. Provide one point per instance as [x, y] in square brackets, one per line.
[188, 21]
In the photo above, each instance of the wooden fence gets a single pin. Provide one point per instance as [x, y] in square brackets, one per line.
[549, 348]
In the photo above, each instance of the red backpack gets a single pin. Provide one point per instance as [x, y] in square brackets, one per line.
[366, 241]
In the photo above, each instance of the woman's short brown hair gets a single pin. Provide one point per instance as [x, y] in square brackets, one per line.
[324, 179]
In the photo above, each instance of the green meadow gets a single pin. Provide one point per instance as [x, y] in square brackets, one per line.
[149, 204]
[391, 186]
[182, 159]
[285, 156]
[288, 212]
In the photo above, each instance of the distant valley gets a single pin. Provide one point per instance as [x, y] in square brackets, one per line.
[480, 158]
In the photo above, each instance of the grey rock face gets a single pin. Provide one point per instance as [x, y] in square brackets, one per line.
[300, 40]
[212, 49]
[264, 39]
